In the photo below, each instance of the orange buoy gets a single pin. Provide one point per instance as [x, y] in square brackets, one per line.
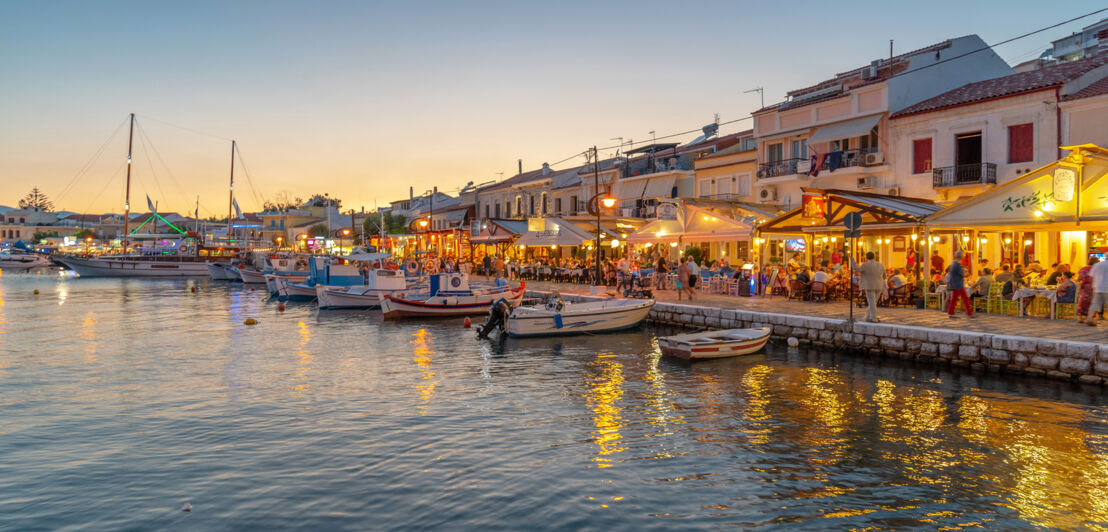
[194, 289]
[466, 323]
[281, 306]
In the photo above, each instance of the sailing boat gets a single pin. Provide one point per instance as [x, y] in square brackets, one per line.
[177, 263]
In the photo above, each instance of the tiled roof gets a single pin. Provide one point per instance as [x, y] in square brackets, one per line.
[1098, 88]
[1019, 83]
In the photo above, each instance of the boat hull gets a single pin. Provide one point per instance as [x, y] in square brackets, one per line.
[222, 272]
[22, 264]
[584, 319]
[134, 268]
[296, 292]
[339, 297]
[394, 307]
[675, 347]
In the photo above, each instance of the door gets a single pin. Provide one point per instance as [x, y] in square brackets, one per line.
[967, 157]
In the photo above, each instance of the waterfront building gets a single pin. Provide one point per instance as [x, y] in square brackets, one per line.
[835, 134]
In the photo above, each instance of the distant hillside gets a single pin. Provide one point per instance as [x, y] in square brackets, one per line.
[4, 209]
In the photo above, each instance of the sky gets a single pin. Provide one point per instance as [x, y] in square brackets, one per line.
[362, 100]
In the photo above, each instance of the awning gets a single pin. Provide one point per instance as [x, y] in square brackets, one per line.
[555, 232]
[844, 130]
[783, 134]
[632, 189]
[660, 187]
[498, 231]
[693, 224]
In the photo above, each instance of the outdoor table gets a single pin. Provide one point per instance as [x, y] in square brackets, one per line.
[1034, 292]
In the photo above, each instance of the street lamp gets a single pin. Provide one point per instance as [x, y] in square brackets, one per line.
[279, 239]
[345, 232]
[88, 242]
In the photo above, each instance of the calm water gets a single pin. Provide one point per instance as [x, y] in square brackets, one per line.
[121, 400]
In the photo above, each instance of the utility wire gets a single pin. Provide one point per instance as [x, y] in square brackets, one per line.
[144, 142]
[88, 164]
[249, 180]
[189, 129]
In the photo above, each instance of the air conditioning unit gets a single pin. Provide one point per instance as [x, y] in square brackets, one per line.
[803, 167]
[875, 158]
[894, 191]
[868, 182]
[767, 194]
[869, 72]
[762, 173]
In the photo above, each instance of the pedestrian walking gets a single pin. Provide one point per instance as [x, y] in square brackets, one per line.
[1099, 273]
[956, 285]
[683, 279]
[872, 283]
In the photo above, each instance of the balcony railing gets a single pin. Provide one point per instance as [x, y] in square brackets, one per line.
[965, 174]
[778, 168]
[660, 163]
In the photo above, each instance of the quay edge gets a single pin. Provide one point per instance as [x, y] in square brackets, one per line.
[1083, 362]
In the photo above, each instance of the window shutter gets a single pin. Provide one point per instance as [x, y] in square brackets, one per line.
[1021, 143]
[921, 156]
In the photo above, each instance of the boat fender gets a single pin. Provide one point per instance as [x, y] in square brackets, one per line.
[557, 321]
[451, 301]
[466, 323]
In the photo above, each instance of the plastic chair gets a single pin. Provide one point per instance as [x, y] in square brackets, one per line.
[1065, 311]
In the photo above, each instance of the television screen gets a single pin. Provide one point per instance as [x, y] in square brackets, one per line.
[795, 246]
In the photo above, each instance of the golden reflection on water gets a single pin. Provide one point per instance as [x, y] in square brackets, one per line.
[421, 355]
[754, 388]
[304, 358]
[605, 388]
[661, 411]
[88, 334]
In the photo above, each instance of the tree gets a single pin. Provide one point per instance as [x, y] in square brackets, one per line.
[394, 223]
[43, 235]
[319, 230]
[283, 202]
[36, 200]
[84, 233]
[322, 200]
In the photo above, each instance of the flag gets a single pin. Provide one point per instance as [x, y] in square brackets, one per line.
[238, 212]
[150, 204]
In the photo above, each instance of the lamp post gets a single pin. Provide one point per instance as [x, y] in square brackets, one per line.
[595, 203]
[279, 239]
[304, 242]
[88, 243]
[345, 232]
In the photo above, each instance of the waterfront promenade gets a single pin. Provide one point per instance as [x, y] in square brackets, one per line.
[1068, 330]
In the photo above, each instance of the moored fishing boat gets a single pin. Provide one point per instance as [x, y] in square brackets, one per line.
[137, 266]
[223, 271]
[21, 262]
[378, 283]
[449, 294]
[560, 318]
[715, 344]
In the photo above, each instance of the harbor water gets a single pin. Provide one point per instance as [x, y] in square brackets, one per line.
[122, 400]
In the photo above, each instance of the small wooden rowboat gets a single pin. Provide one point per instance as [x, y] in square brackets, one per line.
[715, 344]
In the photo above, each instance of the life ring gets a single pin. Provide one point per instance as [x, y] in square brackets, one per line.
[183, 248]
[430, 267]
[411, 267]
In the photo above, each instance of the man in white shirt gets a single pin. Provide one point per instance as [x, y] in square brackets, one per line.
[1099, 273]
[820, 276]
[898, 279]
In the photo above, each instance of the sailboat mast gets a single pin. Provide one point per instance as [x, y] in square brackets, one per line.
[231, 196]
[127, 197]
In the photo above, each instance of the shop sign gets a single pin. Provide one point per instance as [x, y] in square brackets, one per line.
[1035, 200]
[474, 228]
[813, 206]
[1065, 180]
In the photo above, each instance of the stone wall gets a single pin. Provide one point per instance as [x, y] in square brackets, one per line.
[1059, 359]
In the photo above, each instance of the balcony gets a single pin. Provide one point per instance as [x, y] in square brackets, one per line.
[965, 174]
[779, 168]
[660, 163]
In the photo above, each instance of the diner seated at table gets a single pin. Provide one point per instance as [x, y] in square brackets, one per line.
[821, 275]
[1067, 289]
[981, 285]
[897, 279]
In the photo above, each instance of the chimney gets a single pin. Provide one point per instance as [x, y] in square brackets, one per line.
[520, 166]
[411, 194]
[546, 169]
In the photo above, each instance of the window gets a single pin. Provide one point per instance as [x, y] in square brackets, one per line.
[544, 202]
[921, 156]
[742, 187]
[749, 144]
[705, 188]
[486, 210]
[573, 204]
[840, 145]
[558, 205]
[800, 149]
[531, 206]
[1021, 143]
[497, 209]
[868, 143]
[775, 152]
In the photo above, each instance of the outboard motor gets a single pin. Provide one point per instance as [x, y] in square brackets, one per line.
[498, 317]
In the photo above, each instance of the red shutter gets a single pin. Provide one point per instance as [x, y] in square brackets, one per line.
[1021, 143]
[921, 156]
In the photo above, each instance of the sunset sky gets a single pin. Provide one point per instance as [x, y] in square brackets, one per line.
[362, 100]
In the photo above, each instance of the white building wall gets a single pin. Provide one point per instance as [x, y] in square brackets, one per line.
[929, 75]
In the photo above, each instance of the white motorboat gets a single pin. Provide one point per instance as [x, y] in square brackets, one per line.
[21, 262]
[137, 266]
[449, 294]
[715, 344]
[223, 271]
[561, 318]
[293, 268]
[378, 283]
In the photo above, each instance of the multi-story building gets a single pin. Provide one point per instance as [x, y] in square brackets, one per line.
[834, 134]
[1090, 41]
[990, 132]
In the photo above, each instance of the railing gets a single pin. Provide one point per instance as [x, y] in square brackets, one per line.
[778, 168]
[660, 163]
[964, 174]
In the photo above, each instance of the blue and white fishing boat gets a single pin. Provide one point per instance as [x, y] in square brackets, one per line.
[562, 318]
[448, 294]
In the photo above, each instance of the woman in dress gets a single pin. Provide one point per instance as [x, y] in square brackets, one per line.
[1085, 290]
[683, 279]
